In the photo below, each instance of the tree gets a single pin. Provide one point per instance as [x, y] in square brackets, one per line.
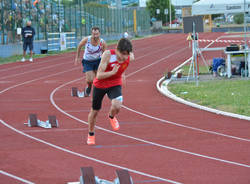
[239, 18]
[153, 5]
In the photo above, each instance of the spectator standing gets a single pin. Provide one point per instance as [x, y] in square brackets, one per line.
[28, 34]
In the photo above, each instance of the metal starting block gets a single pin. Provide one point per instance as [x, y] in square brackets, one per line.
[53, 121]
[88, 177]
[123, 177]
[34, 122]
[74, 92]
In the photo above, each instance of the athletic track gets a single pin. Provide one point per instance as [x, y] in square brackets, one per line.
[160, 140]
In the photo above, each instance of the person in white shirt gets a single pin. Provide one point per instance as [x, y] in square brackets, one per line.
[94, 47]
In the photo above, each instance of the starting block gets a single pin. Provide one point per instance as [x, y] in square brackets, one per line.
[88, 177]
[123, 177]
[53, 121]
[74, 92]
[34, 122]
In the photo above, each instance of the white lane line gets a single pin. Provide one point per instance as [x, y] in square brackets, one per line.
[25, 66]
[138, 139]
[34, 70]
[15, 177]
[184, 126]
[55, 130]
[43, 77]
[85, 156]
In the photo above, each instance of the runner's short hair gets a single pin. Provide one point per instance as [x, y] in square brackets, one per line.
[95, 28]
[124, 44]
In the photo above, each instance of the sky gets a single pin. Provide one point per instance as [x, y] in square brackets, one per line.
[182, 2]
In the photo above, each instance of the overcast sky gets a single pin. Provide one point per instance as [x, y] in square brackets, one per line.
[182, 2]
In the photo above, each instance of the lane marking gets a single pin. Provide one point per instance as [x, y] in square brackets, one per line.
[25, 83]
[35, 63]
[138, 139]
[85, 156]
[15, 177]
[184, 126]
[35, 70]
[55, 130]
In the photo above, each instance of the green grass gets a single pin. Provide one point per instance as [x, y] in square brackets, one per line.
[202, 70]
[231, 96]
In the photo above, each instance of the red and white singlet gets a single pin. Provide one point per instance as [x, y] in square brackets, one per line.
[113, 80]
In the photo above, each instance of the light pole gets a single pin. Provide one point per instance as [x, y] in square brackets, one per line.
[170, 17]
[60, 22]
[245, 39]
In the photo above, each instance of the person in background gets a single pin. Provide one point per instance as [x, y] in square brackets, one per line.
[94, 47]
[28, 34]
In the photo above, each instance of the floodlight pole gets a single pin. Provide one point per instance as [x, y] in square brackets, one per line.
[195, 54]
[170, 12]
[60, 22]
[245, 39]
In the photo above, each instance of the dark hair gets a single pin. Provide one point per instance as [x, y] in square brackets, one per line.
[95, 28]
[124, 44]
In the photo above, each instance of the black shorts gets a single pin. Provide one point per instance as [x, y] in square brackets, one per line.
[114, 92]
[27, 44]
[90, 65]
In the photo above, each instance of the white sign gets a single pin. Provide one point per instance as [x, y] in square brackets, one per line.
[63, 41]
[142, 3]
[157, 11]
[19, 31]
[166, 11]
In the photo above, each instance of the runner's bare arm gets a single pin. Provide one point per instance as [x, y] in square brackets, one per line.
[101, 74]
[104, 46]
[81, 44]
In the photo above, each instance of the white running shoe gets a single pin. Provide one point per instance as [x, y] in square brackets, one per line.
[23, 59]
[80, 94]
[31, 60]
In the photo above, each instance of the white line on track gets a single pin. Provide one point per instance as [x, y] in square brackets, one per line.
[15, 177]
[34, 70]
[56, 130]
[47, 67]
[77, 154]
[43, 77]
[138, 139]
[87, 157]
[22, 66]
[184, 126]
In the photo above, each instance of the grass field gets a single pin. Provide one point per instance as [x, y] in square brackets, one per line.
[227, 95]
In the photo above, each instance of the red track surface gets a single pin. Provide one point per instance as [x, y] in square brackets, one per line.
[160, 140]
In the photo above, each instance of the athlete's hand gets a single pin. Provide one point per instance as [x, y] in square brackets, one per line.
[76, 61]
[115, 69]
[123, 80]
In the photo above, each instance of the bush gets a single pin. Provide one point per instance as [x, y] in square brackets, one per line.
[239, 18]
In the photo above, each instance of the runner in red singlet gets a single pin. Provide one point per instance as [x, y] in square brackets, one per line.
[110, 75]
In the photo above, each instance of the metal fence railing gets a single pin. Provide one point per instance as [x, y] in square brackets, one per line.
[48, 16]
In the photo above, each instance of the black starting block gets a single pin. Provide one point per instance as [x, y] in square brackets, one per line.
[74, 92]
[123, 177]
[88, 177]
[53, 121]
[34, 122]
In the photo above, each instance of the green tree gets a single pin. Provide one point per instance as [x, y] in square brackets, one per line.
[153, 5]
[239, 18]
